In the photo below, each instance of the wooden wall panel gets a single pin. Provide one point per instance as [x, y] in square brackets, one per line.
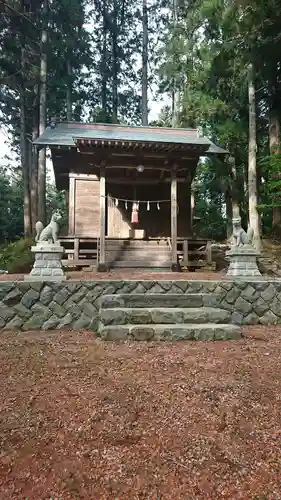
[84, 209]
[118, 217]
[118, 221]
[85, 218]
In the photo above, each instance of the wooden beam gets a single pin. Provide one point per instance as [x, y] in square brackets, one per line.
[174, 217]
[76, 248]
[102, 264]
[67, 200]
[83, 176]
[185, 250]
[71, 206]
[188, 208]
[132, 181]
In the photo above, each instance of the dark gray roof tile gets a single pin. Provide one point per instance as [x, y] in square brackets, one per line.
[67, 134]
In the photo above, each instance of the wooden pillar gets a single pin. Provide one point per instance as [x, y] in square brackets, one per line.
[67, 207]
[76, 249]
[71, 205]
[102, 264]
[185, 252]
[192, 207]
[189, 208]
[174, 217]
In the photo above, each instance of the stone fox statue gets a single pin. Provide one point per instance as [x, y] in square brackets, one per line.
[50, 232]
[240, 236]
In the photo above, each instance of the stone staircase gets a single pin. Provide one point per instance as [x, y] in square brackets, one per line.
[190, 316]
[141, 254]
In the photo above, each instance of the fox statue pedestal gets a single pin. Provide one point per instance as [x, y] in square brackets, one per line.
[47, 265]
[48, 252]
[243, 255]
[242, 262]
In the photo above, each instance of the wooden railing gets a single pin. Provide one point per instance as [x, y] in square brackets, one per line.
[82, 251]
[79, 251]
[194, 253]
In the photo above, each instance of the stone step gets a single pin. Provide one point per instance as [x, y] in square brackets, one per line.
[163, 315]
[209, 331]
[179, 300]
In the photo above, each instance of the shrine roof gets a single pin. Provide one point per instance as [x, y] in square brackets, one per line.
[72, 135]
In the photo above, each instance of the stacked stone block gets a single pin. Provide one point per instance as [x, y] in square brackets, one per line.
[47, 264]
[76, 304]
[243, 262]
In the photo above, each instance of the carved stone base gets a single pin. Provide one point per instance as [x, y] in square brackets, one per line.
[47, 265]
[243, 262]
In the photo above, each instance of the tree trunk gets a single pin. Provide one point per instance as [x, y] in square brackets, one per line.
[175, 91]
[33, 159]
[24, 155]
[42, 119]
[274, 146]
[33, 164]
[144, 63]
[114, 28]
[229, 213]
[104, 62]
[252, 162]
[234, 187]
[69, 92]
[173, 106]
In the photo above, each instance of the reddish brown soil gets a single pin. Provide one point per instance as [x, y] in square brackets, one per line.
[129, 275]
[81, 419]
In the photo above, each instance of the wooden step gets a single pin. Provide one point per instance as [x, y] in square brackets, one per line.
[130, 264]
[136, 244]
[79, 262]
[141, 258]
[135, 255]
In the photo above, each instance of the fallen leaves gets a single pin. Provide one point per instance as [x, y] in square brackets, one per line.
[83, 419]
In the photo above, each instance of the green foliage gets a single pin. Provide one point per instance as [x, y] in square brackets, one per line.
[270, 190]
[11, 207]
[56, 200]
[212, 224]
[199, 52]
[209, 202]
[16, 257]
[209, 45]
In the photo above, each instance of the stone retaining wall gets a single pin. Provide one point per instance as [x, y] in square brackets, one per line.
[26, 306]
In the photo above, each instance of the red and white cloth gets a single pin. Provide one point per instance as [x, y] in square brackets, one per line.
[135, 213]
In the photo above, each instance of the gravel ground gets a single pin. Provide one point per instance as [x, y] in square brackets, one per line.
[82, 419]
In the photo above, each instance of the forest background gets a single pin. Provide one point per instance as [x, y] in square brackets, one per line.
[211, 64]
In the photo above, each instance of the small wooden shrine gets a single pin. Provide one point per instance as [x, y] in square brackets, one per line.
[126, 183]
